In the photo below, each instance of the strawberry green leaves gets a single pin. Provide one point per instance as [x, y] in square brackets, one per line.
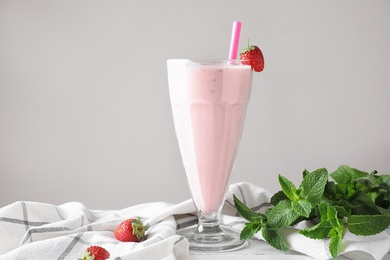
[357, 201]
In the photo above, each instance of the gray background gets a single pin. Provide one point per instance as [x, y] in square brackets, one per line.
[84, 107]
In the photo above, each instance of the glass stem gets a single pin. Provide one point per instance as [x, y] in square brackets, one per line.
[208, 230]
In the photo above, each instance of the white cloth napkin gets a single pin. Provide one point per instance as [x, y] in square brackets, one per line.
[32, 230]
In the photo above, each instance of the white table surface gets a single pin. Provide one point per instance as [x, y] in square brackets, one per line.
[257, 250]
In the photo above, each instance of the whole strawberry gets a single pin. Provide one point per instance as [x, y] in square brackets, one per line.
[95, 253]
[130, 230]
[253, 56]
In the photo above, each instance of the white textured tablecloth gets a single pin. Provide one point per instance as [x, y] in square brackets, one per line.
[32, 230]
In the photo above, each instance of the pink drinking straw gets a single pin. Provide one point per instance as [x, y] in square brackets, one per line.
[234, 40]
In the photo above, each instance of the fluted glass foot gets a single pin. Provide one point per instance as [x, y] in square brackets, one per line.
[210, 236]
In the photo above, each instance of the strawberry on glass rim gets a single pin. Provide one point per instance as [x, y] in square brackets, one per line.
[252, 55]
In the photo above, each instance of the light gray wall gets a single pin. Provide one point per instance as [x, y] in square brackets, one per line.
[84, 107]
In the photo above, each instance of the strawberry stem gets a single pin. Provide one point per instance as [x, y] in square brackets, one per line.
[248, 47]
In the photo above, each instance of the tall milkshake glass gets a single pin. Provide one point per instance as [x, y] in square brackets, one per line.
[209, 100]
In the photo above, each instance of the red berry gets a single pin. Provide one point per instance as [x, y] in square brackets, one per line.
[130, 230]
[253, 56]
[95, 253]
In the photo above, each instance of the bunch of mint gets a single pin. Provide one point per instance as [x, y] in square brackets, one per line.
[355, 200]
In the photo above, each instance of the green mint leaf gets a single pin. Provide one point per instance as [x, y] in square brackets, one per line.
[331, 191]
[343, 212]
[288, 188]
[277, 197]
[345, 176]
[343, 208]
[363, 204]
[384, 179]
[250, 230]
[319, 231]
[384, 186]
[367, 225]
[282, 215]
[384, 211]
[274, 239]
[335, 242]
[331, 214]
[302, 207]
[305, 172]
[246, 212]
[313, 186]
[323, 210]
[333, 217]
[368, 182]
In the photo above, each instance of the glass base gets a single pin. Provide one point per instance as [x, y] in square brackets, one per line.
[216, 239]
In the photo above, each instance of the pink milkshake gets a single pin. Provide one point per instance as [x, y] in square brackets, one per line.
[209, 101]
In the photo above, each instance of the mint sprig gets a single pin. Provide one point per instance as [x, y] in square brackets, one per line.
[356, 201]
